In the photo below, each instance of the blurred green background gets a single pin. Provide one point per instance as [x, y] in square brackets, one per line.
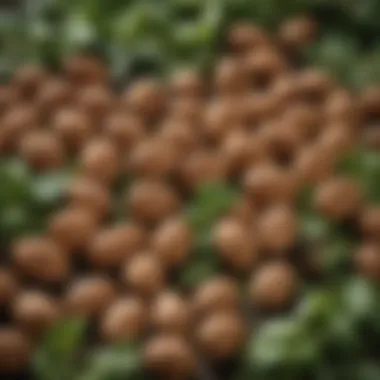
[334, 332]
[157, 35]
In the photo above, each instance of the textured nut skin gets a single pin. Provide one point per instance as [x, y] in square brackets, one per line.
[89, 296]
[124, 319]
[221, 335]
[273, 286]
[172, 242]
[15, 350]
[219, 293]
[170, 313]
[35, 311]
[169, 355]
[41, 258]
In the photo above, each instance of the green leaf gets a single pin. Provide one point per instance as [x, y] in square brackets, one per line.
[114, 363]
[55, 358]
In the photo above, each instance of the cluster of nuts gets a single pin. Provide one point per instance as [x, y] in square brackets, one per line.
[260, 122]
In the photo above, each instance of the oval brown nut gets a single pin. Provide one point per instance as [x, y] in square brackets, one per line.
[15, 350]
[235, 244]
[170, 313]
[153, 157]
[143, 273]
[41, 258]
[231, 76]
[73, 228]
[266, 183]
[337, 139]
[370, 221]
[42, 150]
[151, 200]
[187, 83]
[112, 245]
[52, 96]
[85, 69]
[125, 129]
[264, 65]
[369, 101]
[219, 293]
[172, 241]
[100, 160]
[73, 127]
[9, 286]
[240, 150]
[180, 134]
[298, 32]
[202, 166]
[342, 106]
[314, 84]
[124, 320]
[169, 355]
[189, 110]
[96, 101]
[15, 123]
[35, 311]
[88, 194]
[338, 198]
[221, 335]
[367, 260]
[273, 286]
[89, 296]
[146, 98]
[27, 79]
[278, 228]
[313, 164]
[244, 37]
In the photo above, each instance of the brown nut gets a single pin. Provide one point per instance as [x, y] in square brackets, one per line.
[73, 127]
[170, 313]
[124, 129]
[187, 83]
[9, 286]
[313, 164]
[169, 355]
[41, 258]
[153, 157]
[42, 150]
[89, 296]
[246, 37]
[124, 320]
[235, 244]
[112, 245]
[277, 228]
[151, 201]
[146, 98]
[35, 311]
[266, 183]
[370, 221]
[15, 123]
[202, 166]
[231, 76]
[15, 350]
[96, 101]
[143, 273]
[85, 69]
[298, 32]
[219, 293]
[100, 160]
[338, 198]
[28, 79]
[172, 242]
[73, 228]
[221, 335]
[337, 139]
[273, 286]
[367, 260]
[88, 194]
[342, 106]
[369, 101]
[54, 94]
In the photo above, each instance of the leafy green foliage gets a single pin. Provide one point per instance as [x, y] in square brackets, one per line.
[63, 355]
